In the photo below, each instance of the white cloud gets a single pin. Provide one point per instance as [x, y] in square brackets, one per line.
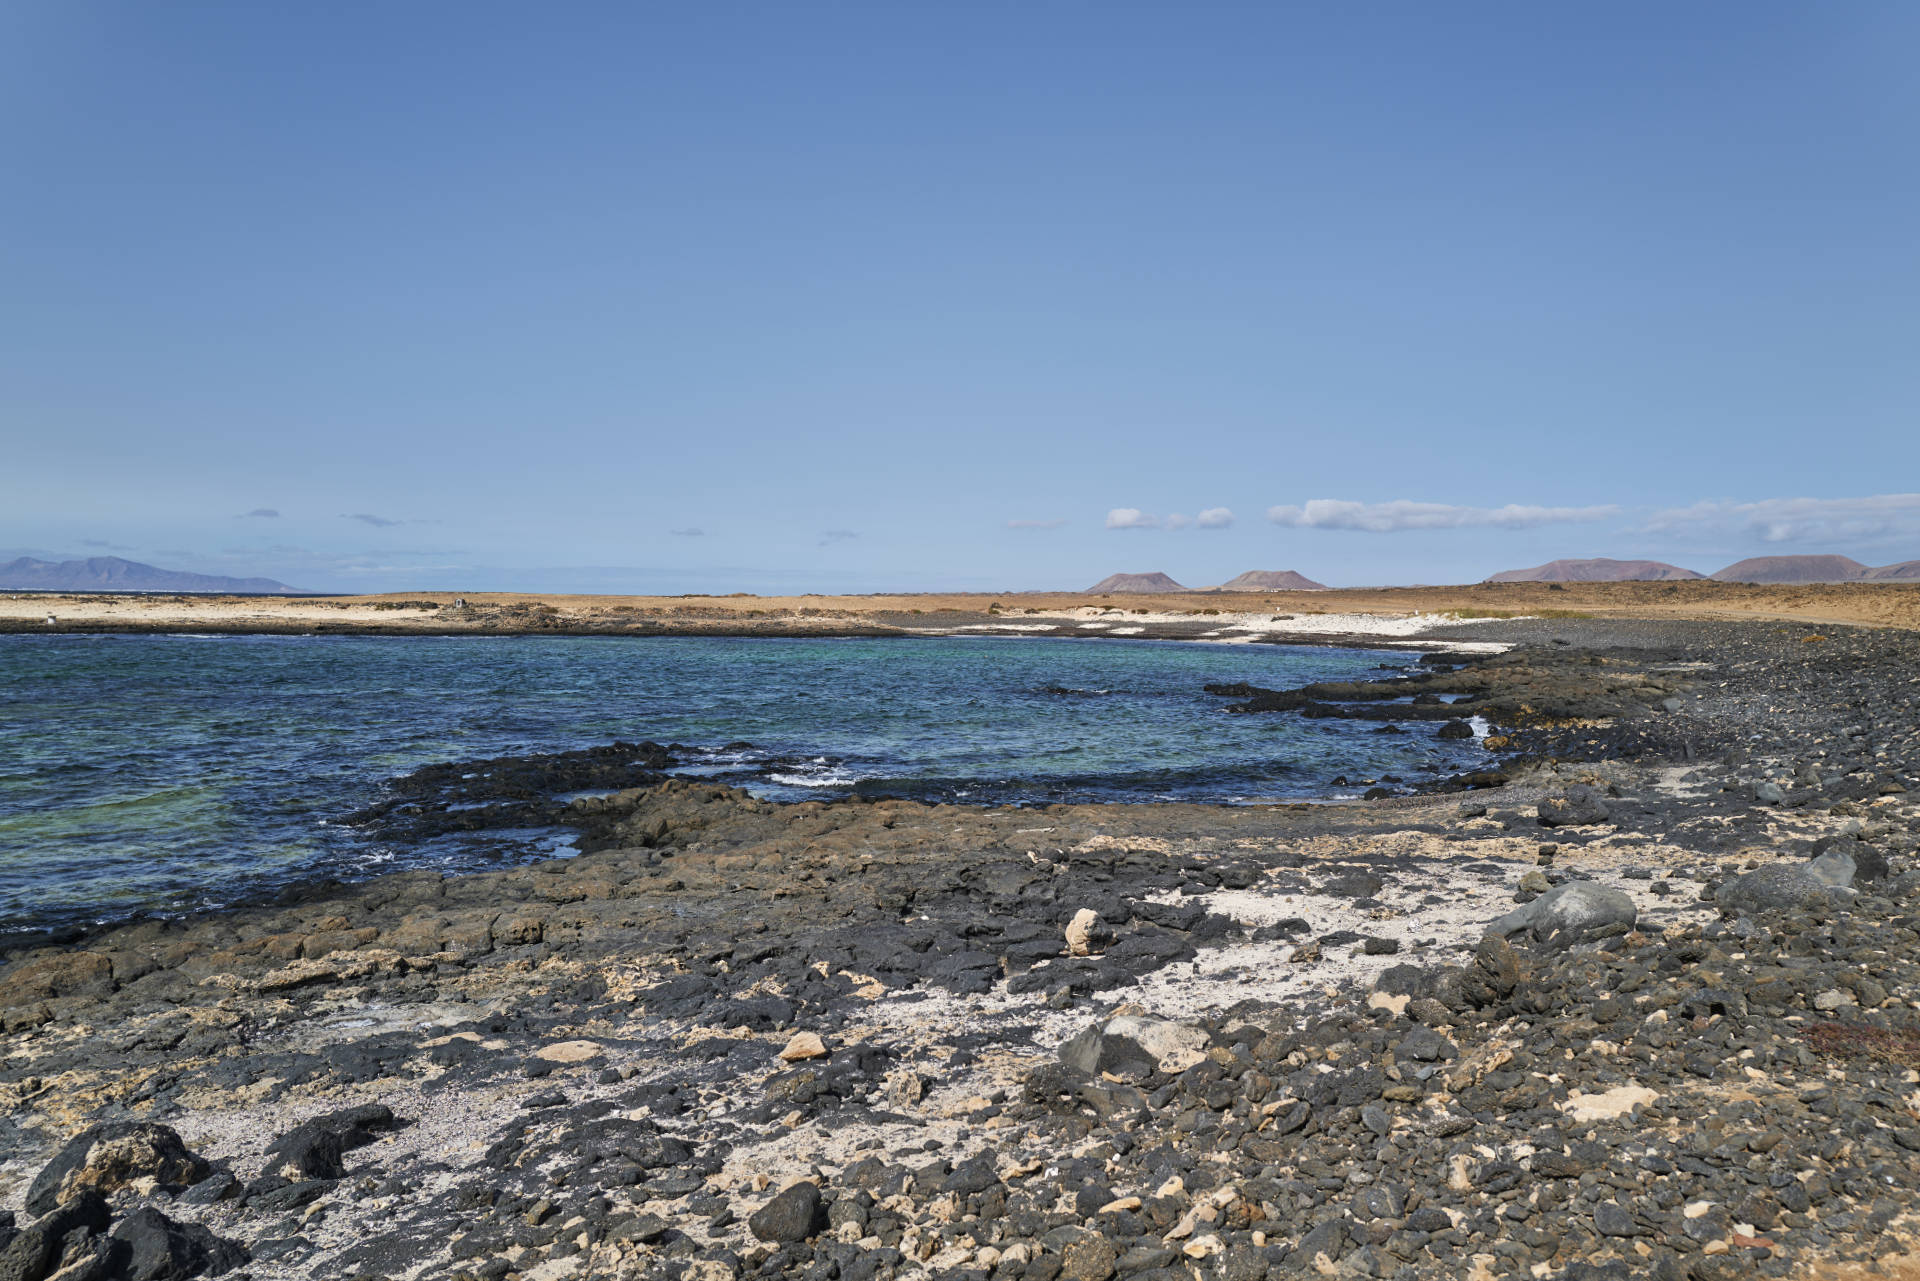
[1131, 518]
[1134, 518]
[1035, 524]
[691, 531]
[1380, 518]
[1878, 517]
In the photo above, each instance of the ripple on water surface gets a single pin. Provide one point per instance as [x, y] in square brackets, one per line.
[174, 772]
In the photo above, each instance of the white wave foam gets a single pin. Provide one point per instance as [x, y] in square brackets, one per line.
[1009, 627]
[830, 778]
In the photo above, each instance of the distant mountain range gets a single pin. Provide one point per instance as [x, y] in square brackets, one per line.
[1272, 580]
[112, 574]
[1758, 569]
[1254, 580]
[1793, 569]
[1600, 570]
[1134, 583]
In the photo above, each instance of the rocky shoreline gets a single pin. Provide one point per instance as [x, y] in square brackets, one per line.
[1639, 1001]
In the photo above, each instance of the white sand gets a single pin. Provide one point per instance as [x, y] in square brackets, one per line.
[1245, 628]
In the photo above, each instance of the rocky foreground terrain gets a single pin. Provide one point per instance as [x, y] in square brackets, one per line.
[1636, 1000]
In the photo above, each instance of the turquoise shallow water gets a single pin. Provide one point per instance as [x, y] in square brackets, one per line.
[174, 772]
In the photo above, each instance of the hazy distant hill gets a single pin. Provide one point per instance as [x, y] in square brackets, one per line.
[1794, 569]
[1135, 583]
[1272, 580]
[1906, 571]
[112, 574]
[1598, 570]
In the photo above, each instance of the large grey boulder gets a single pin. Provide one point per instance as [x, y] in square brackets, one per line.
[1823, 883]
[1869, 863]
[1579, 807]
[1835, 866]
[1134, 1045]
[1568, 912]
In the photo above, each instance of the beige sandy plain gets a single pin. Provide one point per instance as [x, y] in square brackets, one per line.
[1862, 604]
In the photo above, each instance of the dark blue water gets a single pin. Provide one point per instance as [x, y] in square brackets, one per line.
[173, 772]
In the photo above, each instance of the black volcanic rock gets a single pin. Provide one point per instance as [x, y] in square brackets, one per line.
[315, 1149]
[794, 1215]
[112, 574]
[156, 1248]
[109, 1157]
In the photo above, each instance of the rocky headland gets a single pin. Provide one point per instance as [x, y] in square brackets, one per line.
[1637, 999]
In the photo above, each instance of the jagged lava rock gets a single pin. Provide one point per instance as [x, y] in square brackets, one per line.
[30, 1255]
[316, 1149]
[793, 1215]
[156, 1248]
[109, 1157]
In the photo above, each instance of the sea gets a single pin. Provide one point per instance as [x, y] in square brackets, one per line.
[169, 774]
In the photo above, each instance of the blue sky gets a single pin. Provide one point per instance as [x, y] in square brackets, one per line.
[972, 296]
